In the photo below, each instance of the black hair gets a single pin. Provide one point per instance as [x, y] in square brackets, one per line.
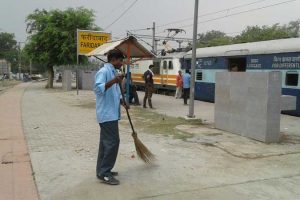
[151, 66]
[187, 71]
[114, 53]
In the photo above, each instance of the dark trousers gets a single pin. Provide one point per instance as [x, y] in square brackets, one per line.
[148, 94]
[186, 94]
[108, 147]
[133, 95]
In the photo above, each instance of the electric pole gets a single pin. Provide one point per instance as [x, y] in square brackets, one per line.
[19, 61]
[153, 39]
[30, 67]
[193, 67]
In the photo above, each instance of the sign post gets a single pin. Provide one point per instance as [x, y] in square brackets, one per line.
[77, 62]
[87, 41]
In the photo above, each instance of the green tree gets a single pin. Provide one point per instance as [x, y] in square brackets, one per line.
[293, 28]
[250, 34]
[213, 38]
[9, 48]
[52, 36]
[256, 33]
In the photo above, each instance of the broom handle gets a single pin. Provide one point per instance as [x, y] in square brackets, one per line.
[124, 101]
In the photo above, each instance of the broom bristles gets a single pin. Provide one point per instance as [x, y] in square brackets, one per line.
[142, 151]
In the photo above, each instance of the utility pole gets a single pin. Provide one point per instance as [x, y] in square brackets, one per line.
[179, 43]
[30, 67]
[153, 39]
[193, 67]
[19, 69]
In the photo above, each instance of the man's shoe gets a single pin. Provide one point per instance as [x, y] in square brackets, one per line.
[110, 180]
[144, 106]
[114, 173]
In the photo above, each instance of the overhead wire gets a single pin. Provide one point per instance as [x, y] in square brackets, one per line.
[212, 13]
[114, 9]
[203, 15]
[237, 13]
[122, 14]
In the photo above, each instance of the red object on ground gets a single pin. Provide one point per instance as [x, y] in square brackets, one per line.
[16, 180]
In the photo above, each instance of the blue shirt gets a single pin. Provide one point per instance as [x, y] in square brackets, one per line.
[186, 80]
[107, 102]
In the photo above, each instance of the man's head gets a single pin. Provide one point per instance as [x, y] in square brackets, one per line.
[234, 68]
[187, 71]
[179, 72]
[115, 57]
[151, 67]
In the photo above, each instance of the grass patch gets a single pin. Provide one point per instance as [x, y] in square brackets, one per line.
[155, 123]
[9, 83]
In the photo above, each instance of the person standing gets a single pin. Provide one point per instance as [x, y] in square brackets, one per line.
[186, 86]
[149, 86]
[133, 95]
[179, 84]
[108, 102]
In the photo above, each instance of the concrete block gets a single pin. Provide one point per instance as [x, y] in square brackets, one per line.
[67, 80]
[257, 79]
[288, 102]
[275, 79]
[222, 121]
[274, 94]
[256, 109]
[273, 131]
[87, 79]
[250, 105]
[273, 112]
[223, 78]
[237, 123]
[238, 93]
[256, 129]
[237, 107]
[238, 79]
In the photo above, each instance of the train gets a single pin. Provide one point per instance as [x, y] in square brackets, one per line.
[274, 55]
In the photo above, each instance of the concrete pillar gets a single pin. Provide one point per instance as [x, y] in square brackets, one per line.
[67, 80]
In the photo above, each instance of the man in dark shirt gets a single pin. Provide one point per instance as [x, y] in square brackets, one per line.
[149, 86]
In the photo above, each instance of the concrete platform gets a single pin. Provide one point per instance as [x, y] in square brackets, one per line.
[194, 161]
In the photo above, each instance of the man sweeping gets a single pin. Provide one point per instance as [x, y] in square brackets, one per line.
[108, 102]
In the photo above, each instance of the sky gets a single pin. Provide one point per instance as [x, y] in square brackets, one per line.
[144, 12]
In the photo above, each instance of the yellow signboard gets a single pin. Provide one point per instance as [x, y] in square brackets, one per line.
[90, 40]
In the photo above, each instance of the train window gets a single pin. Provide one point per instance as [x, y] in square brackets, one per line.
[156, 69]
[237, 64]
[165, 64]
[199, 76]
[291, 79]
[170, 64]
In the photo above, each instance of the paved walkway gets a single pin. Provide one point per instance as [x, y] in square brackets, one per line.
[16, 180]
[63, 141]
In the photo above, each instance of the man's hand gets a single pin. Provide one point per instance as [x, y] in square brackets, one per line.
[125, 105]
[118, 78]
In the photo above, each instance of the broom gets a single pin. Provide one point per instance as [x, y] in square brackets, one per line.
[141, 150]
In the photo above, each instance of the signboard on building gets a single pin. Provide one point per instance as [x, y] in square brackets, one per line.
[88, 40]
